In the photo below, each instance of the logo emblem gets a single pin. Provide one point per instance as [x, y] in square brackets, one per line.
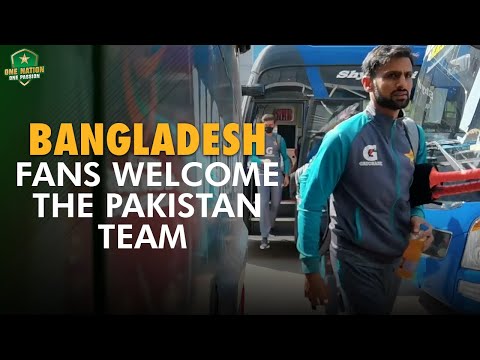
[370, 154]
[25, 67]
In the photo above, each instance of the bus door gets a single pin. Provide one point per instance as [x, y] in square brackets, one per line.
[289, 117]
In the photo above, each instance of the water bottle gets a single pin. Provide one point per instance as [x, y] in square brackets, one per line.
[412, 254]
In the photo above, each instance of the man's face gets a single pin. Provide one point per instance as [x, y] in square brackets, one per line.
[393, 84]
[269, 124]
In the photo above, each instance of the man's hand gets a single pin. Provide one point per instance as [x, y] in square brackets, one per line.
[286, 180]
[426, 233]
[315, 290]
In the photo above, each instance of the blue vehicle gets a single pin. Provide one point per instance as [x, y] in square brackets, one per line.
[60, 265]
[446, 105]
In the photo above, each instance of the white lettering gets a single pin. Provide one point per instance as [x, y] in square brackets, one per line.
[350, 74]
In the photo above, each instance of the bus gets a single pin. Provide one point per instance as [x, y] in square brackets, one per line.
[60, 264]
[306, 87]
[446, 104]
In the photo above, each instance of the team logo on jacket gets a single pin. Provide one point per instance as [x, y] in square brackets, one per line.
[370, 154]
[411, 156]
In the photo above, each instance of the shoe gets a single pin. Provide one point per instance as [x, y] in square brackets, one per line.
[273, 232]
[264, 246]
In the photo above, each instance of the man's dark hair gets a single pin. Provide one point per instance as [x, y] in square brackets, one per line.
[382, 54]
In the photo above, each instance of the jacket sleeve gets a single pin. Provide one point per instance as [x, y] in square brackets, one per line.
[286, 158]
[254, 158]
[317, 183]
[420, 159]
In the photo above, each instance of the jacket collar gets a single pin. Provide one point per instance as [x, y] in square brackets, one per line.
[370, 109]
[381, 120]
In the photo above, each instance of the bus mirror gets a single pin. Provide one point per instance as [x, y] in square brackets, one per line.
[253, 90]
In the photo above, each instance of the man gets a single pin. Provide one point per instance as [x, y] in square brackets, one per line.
[275, 147]
[366, 163]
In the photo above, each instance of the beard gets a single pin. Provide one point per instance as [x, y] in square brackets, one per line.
[390, 103]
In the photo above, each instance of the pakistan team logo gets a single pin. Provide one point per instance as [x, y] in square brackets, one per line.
[25, 67]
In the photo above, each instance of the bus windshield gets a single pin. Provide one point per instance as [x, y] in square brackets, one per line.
[445, 83]
[446, 105]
